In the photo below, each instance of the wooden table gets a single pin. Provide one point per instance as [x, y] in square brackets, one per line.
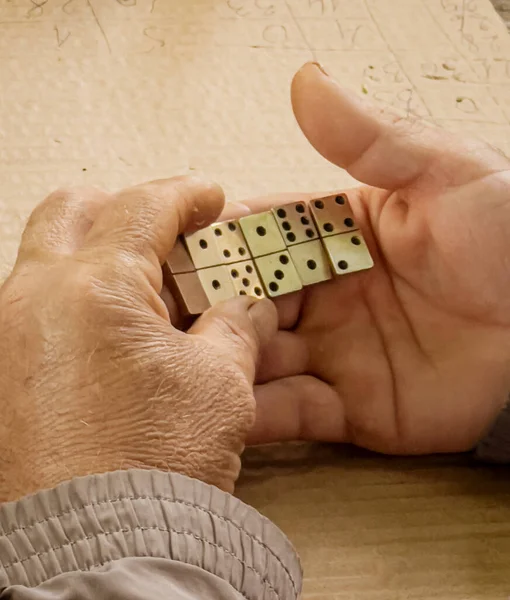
[376, 528]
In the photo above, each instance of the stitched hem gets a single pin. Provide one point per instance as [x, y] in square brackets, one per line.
[40, 555]
[91, 521]
[67, 512]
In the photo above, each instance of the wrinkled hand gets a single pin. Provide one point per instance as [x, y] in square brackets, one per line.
[93, 376]
[414, 355]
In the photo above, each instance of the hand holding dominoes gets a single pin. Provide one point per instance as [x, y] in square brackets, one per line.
[267, 254]
[93, 373]
[413, 356]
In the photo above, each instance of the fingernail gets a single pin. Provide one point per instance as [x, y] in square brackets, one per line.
[234, 210]
[321, 68]
[242, 208]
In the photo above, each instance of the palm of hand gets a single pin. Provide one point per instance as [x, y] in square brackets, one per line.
[411, 356]
[416, 350]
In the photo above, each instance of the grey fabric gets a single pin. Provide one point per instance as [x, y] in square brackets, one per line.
[131, 579]
[495, 447]
[142, 534]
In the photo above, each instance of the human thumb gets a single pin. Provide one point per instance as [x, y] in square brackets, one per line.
[377, 146]
[240, 328]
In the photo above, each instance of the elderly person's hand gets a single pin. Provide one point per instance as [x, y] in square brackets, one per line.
[93, 376]
[412, 356]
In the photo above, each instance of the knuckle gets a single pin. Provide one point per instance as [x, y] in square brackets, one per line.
[136, 211]
[165, 191]
[141, 197]
[71, 193]
[58, 200]
[149, 204]
[60, 194]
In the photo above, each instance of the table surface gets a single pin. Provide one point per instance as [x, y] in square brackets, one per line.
[374, 528]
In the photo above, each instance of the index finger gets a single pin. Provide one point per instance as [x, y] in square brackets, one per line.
[144, 221]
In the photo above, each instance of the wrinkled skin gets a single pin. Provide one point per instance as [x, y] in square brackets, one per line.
[413, 356]
[93, 375]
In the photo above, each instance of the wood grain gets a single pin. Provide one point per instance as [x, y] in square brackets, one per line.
[377, 528]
